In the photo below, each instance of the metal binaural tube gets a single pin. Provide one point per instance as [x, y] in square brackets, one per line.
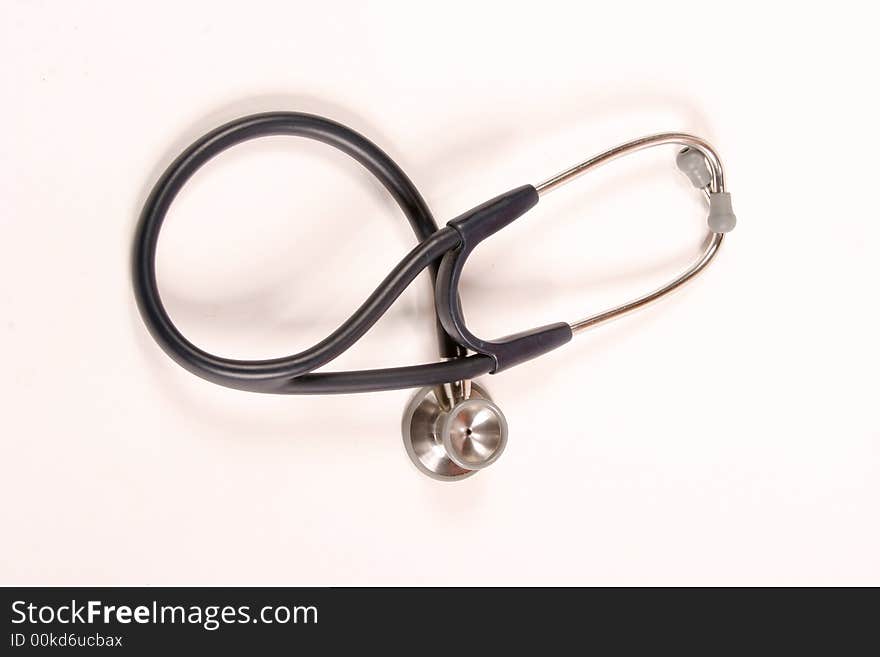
[713, 240]
[680, 138]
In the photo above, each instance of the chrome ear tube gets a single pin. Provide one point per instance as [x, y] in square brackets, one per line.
[701, 164]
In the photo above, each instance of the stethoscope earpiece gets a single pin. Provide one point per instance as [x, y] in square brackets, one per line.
[450, 436]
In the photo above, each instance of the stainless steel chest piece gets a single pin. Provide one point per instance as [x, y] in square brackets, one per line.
[454, 430]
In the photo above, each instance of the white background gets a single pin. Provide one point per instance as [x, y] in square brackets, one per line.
[728, 435]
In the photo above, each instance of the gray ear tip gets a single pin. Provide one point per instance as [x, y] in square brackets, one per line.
[721, 216]
[722, 223]
[692, 164]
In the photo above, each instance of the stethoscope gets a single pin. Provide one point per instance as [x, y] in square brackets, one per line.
[451, 426]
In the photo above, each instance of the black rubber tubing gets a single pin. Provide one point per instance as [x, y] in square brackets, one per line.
[293, 374]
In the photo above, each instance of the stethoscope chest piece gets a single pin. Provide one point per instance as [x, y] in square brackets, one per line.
[450, 432]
